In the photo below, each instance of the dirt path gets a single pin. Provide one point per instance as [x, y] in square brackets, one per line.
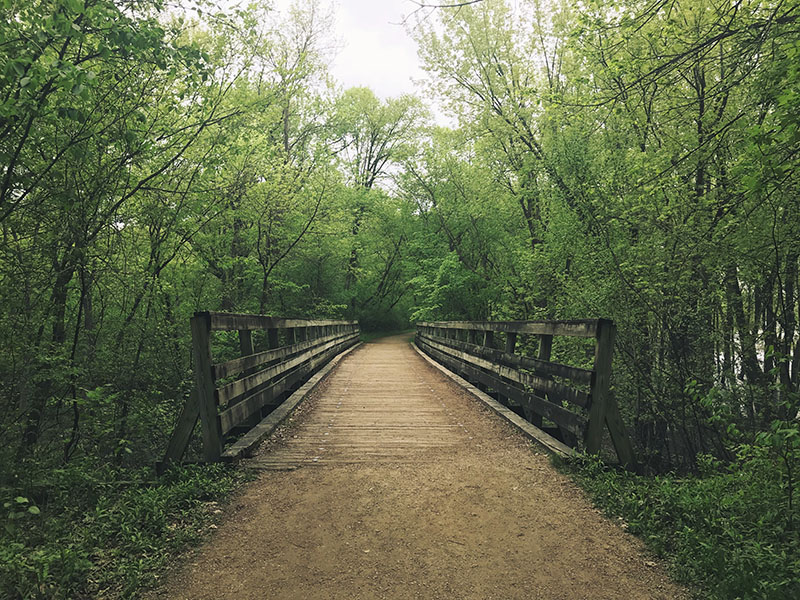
[408, 488]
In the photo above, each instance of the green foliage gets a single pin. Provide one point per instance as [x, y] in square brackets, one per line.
[724, 531]
[368, 336]
[100, 530]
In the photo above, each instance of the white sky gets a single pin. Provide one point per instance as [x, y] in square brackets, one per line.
[376, 51]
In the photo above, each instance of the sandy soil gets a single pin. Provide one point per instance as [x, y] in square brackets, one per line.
[392, 482]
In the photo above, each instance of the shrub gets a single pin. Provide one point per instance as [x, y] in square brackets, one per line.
[727, 530]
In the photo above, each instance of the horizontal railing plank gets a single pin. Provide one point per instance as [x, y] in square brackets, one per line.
[237, 365]
[237, 388]
[525, 427]
[233, 321]
[247, 407]
[542, 367]
[244, 446]
[243, 410]
[574, 328]
[556, 391]
[563, 417]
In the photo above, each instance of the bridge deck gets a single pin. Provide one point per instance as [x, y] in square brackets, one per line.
[394, 483]
[381, 407]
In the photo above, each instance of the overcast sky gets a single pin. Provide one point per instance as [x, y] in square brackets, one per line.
[376, 50]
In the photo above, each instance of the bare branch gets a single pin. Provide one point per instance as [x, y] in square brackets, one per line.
[423, 5]
[453, 5]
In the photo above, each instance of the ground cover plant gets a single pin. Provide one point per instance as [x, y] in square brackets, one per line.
[728, 530]
[91, 530]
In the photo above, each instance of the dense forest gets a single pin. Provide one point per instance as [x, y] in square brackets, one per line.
[637, 160]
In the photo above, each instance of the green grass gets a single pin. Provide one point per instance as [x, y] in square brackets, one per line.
[727, 532]
[88, 530]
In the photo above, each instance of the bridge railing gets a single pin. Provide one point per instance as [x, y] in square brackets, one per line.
[234, 394]
[575, 400]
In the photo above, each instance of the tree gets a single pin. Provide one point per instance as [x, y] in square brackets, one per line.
[370, 138]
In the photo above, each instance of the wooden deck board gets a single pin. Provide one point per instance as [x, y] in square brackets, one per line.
[376, 407]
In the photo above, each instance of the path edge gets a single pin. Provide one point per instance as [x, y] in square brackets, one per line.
[529, 430]
[244, 447]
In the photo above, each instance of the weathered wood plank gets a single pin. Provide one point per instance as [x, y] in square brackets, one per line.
[272, 338]
[245, 347]
[204, 383]
[249, 406]
[237, 365]
[541, 366]
[237, 388]
[233, 321]
[529, 430]
[563, 417]
[619, 437]
[604, 347]
[545, 351]
[574, 328]
[488, 338]
[546, 348]
[182, 434]
[511, 342]
[556, 391]
[245, 445]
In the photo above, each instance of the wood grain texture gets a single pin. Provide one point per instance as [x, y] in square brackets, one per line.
[244, 446]
[576, 328]
[204, 384]
[555, 390]
[233, 321]
[230, 392]
[377, 407]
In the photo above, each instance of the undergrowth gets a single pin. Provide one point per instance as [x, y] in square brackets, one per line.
[727, 531]
[88, 530]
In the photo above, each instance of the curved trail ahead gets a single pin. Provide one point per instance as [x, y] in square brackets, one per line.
[408, 488]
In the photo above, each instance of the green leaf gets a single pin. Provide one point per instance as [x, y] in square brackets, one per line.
[34, 510]
[21, 500]
[75, 6]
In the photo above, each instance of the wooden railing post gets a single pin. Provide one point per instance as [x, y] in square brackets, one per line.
[488, 339]
[246, 345]
[204, 382]
[272, 338]
[511, 342]
[545, 347]
[245, 342]
[254, 379]
[545, 350]
[601, 381]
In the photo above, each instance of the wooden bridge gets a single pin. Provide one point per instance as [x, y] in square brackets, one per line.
[505, 364]
[395, 477]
